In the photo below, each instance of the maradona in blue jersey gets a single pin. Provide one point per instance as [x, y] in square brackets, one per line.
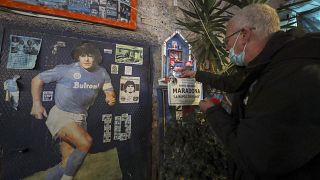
[76, 88]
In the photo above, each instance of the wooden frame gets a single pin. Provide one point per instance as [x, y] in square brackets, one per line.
[127, 24]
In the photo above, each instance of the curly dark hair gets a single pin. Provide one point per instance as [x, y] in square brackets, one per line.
[126, 84]
[86, 48]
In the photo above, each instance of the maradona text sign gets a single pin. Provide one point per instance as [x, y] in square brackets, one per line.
[184, 91]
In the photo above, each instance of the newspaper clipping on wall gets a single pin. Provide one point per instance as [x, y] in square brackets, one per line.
[129, 54]
[23, 52]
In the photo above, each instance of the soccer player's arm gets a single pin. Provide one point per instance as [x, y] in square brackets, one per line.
[51, 75]
[110, 94]
[38, 111]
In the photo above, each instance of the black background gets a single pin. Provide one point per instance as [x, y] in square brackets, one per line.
[26, 144]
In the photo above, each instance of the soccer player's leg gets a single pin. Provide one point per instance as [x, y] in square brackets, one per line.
[57, 171]
[78, 137]
[66, 150]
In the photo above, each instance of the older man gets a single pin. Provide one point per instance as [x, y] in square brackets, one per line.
[273, 131]
[77, 86]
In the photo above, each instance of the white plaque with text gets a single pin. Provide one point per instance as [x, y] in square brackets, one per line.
[184, 91]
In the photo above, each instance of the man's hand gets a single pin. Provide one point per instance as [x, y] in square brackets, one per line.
[110, 98]
[188, 73]
[38, 111]
[205, 104]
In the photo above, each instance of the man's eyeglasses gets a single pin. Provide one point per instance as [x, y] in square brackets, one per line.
[226, 39]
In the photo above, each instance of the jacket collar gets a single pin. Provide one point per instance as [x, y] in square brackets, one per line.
[276, 42]
[257, 66]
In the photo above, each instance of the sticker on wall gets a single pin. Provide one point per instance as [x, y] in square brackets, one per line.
[114, 69]
[129, 89]
[23, 52]
[12, 91]
[129, 54]
[47, 96]
[107, 119]
[57, 46]
[107, 51]
[179, 113]
[122, 127]
[128, 70]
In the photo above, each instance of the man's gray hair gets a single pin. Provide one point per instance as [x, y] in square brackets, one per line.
[262, 17]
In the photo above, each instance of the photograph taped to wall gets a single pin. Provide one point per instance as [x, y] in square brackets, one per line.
[129, 54]
[12, 91]
[114, 69]
[129, 89]
[57, 46]
[47, 95]
[23, 52]
[128, 70]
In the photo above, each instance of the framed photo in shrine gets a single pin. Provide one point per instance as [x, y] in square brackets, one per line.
[118, 13]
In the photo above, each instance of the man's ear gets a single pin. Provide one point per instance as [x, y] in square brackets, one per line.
[246, 33]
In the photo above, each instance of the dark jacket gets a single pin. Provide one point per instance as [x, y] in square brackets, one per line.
[273, 132]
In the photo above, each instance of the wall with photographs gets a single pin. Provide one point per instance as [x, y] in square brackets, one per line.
[121, 133]
[155, 23]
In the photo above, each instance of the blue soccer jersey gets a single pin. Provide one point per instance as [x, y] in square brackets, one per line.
[76, 88]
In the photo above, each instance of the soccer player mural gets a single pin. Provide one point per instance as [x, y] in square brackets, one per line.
[77, 86]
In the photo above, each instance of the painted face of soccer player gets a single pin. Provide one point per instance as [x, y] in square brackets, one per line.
[130, 88]
[87, 61]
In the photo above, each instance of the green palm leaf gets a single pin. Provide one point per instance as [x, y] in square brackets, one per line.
[206, 18]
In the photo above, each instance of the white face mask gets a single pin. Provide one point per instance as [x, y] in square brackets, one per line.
[237, 59]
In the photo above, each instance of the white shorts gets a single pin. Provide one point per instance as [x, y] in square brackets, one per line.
[58, 119]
